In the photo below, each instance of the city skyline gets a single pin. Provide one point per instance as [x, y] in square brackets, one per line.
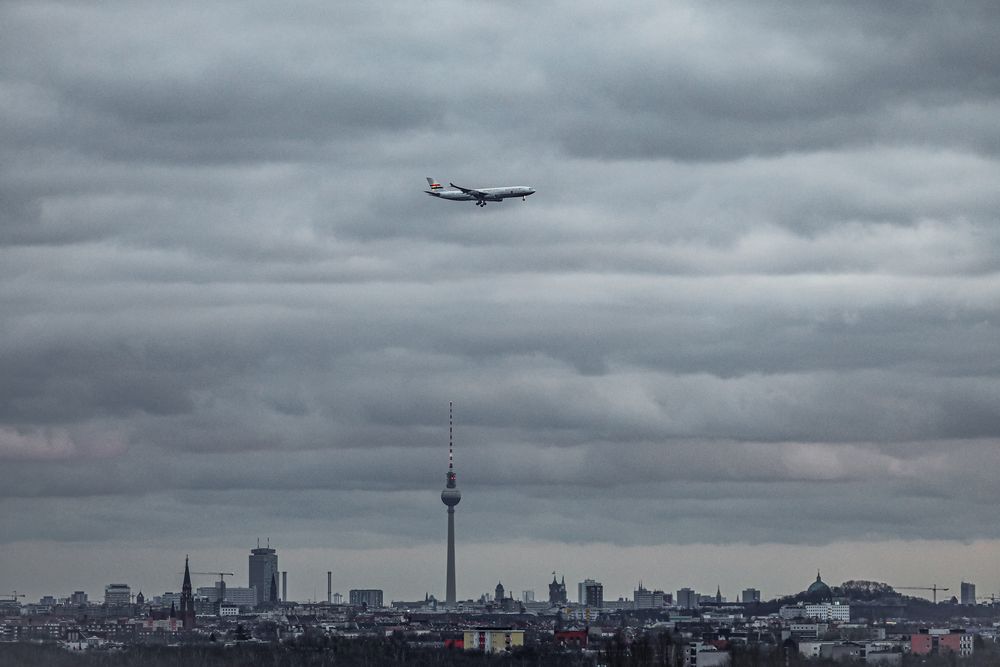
[303, 581]
[747, 326]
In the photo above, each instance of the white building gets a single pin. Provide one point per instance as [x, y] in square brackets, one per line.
[699, 654]
[829, 612]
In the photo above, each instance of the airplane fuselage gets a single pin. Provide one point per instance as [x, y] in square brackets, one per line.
[478, 195]
[492, 194]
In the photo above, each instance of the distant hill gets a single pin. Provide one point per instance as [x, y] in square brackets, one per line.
[861, 589]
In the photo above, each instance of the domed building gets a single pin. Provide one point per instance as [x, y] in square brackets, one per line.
[818, 591]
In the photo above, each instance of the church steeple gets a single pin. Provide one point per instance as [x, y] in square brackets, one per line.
[557, 591]
[187, 599]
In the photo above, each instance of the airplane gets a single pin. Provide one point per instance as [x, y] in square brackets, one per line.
[479, 195]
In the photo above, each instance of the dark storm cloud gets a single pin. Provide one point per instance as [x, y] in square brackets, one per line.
[758, 278]
[726, 80]
[230, 83]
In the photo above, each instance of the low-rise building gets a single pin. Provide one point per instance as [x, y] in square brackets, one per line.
[701, 654]
[940, 640]
[829, 611]
[493, 640]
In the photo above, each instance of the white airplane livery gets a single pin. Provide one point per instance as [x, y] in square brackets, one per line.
[478, 195]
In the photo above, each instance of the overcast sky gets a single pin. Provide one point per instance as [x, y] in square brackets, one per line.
[746, 328]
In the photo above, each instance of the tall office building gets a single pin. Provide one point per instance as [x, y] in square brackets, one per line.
[687, 599]
[751, 595]
[264, 573]
[366, 597]
[116, 595]
[593, 593]
[647, 599]
[581, 590]
[451, 496]
[968, 593]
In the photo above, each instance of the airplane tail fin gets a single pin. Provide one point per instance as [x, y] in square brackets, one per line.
[434, 185]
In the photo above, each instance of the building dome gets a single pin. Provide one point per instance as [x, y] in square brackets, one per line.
[819, 590]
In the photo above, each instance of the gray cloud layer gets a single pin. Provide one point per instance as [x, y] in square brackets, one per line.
[759, 278]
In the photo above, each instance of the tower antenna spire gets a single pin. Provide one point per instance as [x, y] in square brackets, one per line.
[451, 437]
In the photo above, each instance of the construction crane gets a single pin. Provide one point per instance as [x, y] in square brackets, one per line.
[220, 575]
[933, 587]
[13, 596]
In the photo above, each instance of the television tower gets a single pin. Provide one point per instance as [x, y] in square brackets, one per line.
[451, 496]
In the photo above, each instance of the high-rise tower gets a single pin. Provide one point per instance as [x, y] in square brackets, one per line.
[451, 496]
[263, 571]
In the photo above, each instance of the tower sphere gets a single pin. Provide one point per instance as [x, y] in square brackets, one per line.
[451, 497]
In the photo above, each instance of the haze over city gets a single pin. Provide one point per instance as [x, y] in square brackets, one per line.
[745, 329]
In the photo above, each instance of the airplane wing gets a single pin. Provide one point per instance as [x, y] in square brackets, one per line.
[478, 194]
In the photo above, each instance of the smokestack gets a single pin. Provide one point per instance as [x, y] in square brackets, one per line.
[329, 586]
[284, 586]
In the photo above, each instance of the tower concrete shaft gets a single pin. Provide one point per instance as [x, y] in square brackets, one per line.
[451, 496]
[450, 595]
